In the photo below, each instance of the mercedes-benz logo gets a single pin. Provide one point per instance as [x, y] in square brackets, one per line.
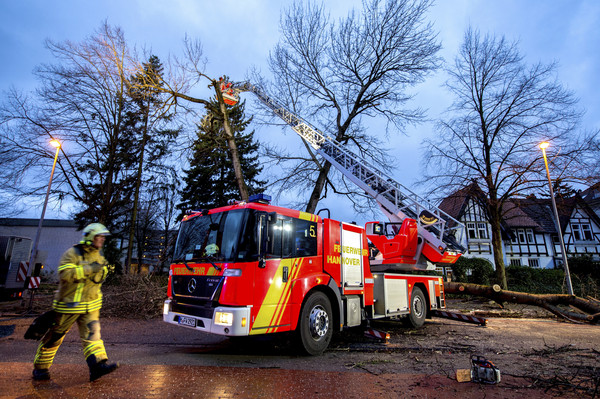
[192, 285]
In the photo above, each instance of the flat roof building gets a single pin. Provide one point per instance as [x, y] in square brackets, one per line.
[56, 237]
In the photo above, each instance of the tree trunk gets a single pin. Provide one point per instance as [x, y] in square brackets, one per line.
[233, 151]
[589, 309]
[497, 246]
[315, 196]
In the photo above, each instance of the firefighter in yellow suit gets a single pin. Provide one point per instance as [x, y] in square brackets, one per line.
[81, 271]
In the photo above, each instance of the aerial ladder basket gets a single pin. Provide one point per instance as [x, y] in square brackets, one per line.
[230, 96]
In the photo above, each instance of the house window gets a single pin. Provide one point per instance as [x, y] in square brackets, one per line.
[482, 230]
[576, 232]
[521, 234]
[530, 237]
[587, 232]
[472, 231]
[534, 262]
[582, 232]
[515, 262]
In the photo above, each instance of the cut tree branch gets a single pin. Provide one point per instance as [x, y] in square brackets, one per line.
[589, 309]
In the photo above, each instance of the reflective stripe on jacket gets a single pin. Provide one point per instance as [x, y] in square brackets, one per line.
[79, 287]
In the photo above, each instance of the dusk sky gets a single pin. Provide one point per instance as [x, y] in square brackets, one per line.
[238, 35]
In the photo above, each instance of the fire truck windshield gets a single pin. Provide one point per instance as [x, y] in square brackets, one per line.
[217, 237]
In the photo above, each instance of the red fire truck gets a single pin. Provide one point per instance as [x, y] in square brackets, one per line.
[254, 268]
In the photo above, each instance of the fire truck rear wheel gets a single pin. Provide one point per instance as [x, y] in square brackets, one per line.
[418, 309]
[315, 325]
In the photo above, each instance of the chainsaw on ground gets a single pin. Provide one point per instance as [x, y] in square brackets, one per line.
[484, 371]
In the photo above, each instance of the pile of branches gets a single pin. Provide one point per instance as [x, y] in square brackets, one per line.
[584, 381]
[134, 296]
[568, 307]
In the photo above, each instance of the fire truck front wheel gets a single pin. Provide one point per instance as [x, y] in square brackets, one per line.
[315, 325]
[418, 309]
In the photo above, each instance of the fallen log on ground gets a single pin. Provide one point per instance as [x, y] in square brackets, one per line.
[582, 310]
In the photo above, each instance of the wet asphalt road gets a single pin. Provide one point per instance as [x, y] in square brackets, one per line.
[163, 361]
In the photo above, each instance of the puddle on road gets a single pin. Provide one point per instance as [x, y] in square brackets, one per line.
[6, 331]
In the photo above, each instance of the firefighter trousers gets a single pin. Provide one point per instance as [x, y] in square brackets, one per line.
[89, 332]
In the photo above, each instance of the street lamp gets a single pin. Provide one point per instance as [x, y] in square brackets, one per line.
[543, 146]
[56, 144]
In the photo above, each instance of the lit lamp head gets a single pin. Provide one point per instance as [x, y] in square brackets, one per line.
[55, 143]
[544, 145]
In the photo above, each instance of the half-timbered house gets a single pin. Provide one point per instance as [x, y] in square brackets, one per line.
[529, 234]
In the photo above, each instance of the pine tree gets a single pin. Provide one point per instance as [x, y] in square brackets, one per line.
[210, 180]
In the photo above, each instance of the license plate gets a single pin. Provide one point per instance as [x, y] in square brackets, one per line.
[187, 321]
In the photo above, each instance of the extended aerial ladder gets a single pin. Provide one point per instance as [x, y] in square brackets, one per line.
[417, 227]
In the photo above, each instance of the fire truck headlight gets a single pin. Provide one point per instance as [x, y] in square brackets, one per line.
[223, 318]
[232, 272]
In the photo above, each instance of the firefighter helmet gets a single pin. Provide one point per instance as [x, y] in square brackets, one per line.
[211, 249]
[93, 230]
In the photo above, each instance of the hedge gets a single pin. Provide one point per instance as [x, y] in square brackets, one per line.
[585, 276]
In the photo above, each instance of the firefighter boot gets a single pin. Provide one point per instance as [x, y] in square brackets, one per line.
[41, 374]
[98, 369]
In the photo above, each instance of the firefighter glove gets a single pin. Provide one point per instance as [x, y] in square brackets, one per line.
[96, 267]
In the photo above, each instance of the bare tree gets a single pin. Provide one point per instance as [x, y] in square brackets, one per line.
[338, 74]
[502, 110]
[80, 101]
[25, 156]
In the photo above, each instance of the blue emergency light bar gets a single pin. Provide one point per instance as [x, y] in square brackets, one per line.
[261, 198]
[203, 212]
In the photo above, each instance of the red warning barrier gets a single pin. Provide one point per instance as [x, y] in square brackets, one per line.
[22, 273]
[369, 332]
[34, 282]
